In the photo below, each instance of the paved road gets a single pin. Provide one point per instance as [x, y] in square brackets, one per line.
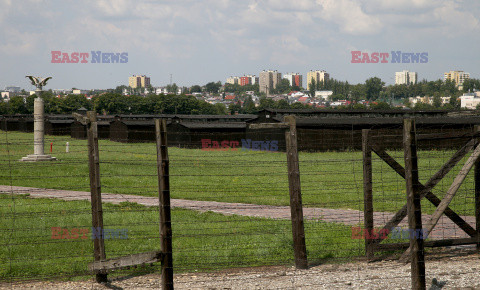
[444, 229]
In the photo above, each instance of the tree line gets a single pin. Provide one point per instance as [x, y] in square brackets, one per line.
[113, 103]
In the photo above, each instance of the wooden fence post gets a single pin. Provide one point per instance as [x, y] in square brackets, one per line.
[298, 231]
[413, 205]
[367, 194]
[164, 203]
[477, 194]
[96, 194]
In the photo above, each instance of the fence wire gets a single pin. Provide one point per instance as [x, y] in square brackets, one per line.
[230, 208]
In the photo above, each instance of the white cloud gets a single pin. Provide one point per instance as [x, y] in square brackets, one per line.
[4, 8]
[454, 21]
[19, 43]
[350, 17]
[404, 6]
[114, 7]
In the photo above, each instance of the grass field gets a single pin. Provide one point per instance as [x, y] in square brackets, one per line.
[201, 241]
[329, 179]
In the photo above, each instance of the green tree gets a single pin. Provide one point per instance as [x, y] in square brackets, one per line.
[249, 106]
[72, 102]
[298, 105]
[380, 106]
[195, 89]
[454, 102]
[119, 89]
[212, 87]
[373, 88]
[220, 109]
[16, 105]
[265, 103]
[282, 104]
[470, 85]
[173, 88]
[449, 88]
[312, 87]
[437, 100]
[282, 87]
[406, 103]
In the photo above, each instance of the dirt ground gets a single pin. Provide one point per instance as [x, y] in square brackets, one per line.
[458, 268]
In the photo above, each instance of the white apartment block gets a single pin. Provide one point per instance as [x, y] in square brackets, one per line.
[405, 78]
[233, 80]
[470, 100]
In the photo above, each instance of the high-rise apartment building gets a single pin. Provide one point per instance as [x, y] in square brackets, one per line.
[457, 76]
[268, 80]
[317, 76]
[405, 77]
[248, 80]
[233, 80]
[295, 79]
[137, 81]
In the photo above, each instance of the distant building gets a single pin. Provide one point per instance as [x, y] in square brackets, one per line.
[470, 100]
[405, 78]
[61, 91]
[5, 96]
[79, 92]
[137, 81]
[323, 94]
[13, 89]
[161, 90]
[427, 100]
[268, 80]
[232, 80]
[248, 80]
[318, 76]
[295, 79]
[457, 76]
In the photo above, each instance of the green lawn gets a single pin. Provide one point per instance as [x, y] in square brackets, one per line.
[329, 179]
[201, 241]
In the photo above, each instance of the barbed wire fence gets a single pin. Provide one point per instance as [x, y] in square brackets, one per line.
[231, 203]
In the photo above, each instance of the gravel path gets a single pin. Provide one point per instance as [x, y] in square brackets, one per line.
[457, 272]
[444, 229]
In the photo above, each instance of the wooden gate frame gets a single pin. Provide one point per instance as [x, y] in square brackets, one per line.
[101, 265]
[424, 190]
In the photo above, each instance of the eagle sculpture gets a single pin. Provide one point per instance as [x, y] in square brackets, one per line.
[38, 82]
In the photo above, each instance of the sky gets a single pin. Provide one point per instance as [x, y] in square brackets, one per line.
[195, 42]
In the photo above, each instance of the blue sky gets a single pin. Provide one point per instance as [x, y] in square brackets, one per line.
[202, 41]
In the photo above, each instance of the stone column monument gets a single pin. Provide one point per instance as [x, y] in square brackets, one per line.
[38, 123]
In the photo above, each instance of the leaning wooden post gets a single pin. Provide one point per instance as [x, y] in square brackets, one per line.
[367, 194]
[96, 194]
[477, 194]
[413, 205]
[298, 231]
[164, 203]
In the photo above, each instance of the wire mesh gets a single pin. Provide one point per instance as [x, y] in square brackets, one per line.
[230, 199]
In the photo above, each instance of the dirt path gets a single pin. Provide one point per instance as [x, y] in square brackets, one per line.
[444, 229]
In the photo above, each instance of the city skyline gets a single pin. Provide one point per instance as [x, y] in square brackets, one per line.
[199, 42]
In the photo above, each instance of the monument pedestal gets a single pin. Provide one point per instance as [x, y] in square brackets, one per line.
[34, 158]
[38, 134]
